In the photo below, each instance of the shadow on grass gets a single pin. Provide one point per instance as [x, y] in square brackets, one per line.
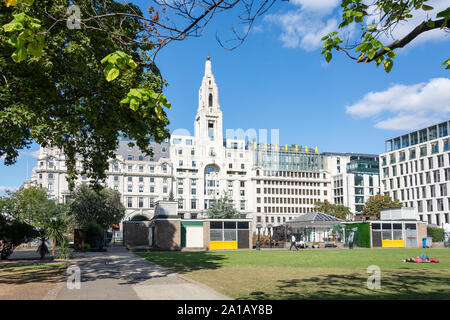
[183, 262]
[20, 275]
[395, 285]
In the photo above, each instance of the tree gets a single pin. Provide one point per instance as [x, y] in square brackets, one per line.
[336, 210]
[171, 196]
[103, 208]
[88, 86]
[222, 209]
[177, 20]
[13, 233]
[31, 205]
[55, 230]
[386, 15]
[375, 203]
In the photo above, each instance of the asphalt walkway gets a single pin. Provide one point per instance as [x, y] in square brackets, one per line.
[120, 275]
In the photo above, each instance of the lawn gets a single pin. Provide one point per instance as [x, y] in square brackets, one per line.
[29, 281]
[313, 274]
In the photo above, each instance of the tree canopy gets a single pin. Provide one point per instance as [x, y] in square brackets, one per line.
[336, 210]
[375, 203]
[103, 208]
[223, 209]
[78, 89]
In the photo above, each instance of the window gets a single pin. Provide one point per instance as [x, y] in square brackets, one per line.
[130, 157]
[210, 100]
[152, 189]
[141, 202]
[189, 142]
[176, 141]
[193, 204]
[129, 202]
[151, 202]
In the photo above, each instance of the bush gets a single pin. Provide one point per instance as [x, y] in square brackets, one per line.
[436, 233]
[87, 247]
[94, 235]
[14, 233]
[64, 252]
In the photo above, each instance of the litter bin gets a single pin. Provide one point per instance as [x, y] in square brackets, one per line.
[427, 242]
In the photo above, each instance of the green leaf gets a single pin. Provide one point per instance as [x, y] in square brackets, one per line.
[111, 72]
[19, 54]
[427, 8]
[134, 104]
[328, 56]
[444, 14]
[387, 64]
[446, 62]
[12, 26]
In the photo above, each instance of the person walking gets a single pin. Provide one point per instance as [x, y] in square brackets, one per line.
[293, 242]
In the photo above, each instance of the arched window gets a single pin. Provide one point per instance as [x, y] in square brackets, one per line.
[210, 99]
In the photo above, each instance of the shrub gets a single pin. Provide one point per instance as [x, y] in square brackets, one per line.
[14, 233]
[87, 247]
[94, 234]
[64, 252]
[436, 233]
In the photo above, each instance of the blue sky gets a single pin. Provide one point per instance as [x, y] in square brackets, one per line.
[277, 79]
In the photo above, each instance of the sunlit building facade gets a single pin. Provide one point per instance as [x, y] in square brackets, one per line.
[416, 170]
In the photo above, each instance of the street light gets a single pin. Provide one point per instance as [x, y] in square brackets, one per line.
[258, 245]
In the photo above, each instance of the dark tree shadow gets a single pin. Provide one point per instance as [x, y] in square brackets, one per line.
[395, 285]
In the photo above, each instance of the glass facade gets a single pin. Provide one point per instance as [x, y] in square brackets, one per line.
[420, 136]
[369, 165]
[289, 161]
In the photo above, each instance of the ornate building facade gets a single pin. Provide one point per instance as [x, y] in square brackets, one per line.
[266, 182]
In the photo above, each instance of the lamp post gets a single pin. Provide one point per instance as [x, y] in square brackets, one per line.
[258, 245]
[269, 227]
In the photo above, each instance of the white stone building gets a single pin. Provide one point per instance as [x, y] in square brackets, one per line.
[266, 182]
[355, 178]
[416, 170]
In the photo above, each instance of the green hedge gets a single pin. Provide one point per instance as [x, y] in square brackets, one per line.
[362, 236]
[436, 233]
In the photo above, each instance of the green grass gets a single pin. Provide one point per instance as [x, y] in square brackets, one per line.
[313, 274]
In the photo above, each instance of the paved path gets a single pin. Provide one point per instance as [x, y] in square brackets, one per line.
[120, 275]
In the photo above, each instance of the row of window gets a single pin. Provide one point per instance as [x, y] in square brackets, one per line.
[304, 192]
[276, 200]
[417, 179]
[285, 209]
[416, 166]
[421, 193]
[427, 134]
[423, 151]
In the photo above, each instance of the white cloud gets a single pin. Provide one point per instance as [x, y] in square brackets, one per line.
[304, 26]
[323, 6]
[405, 107]
[34, 153]
[3, 189]
[302, 29]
